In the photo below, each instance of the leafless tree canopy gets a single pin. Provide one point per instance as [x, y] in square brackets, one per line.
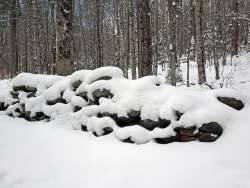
[60, 36]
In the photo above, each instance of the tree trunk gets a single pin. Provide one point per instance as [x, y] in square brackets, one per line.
[172, 48]
[64, 19]
[144, 38]
[99, 62]
[200, 51]
[14, 47]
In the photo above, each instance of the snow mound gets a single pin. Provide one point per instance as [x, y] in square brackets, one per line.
[138, 111]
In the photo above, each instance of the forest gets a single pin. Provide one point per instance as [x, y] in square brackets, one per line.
[139, 36]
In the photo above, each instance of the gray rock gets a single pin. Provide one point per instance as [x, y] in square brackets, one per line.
[83, 95]
[97, 94]
[76, 84]
[58, 100]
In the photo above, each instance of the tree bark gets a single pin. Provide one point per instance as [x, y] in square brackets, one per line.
[200, 51]
[64, 19]
[144, 38]
[172, 30]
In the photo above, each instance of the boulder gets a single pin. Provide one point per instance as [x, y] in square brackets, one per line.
[232, 102]
[163, 123]
[207, 137]
[185, 134]
[212, 127]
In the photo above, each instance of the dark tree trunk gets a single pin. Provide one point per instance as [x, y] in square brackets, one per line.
[144, 38]
[64, 19]
[200, 41]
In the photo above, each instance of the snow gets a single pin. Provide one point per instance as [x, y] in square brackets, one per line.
[56, 154]
[35, 80]
[53, 155]
[80, 75]
[113, 72]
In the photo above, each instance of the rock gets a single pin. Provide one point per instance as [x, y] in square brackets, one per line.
[84, 128]
[148, 124]
[27, 115]
[30, 89]
[178, 115]
[83, 95]
[166, 140]
[43, 117]
[24, 88]
[126, 121]
[97, 94]
[2, 106]
[107, 130]
[58, 100]
[131, 120]
[207, 137]
[14, 94]
[187, 138]
[163, 123]
[77, 108]
[31, 94]
[185, 134]
[102, 78]
[212, 127]
[19, 88]
[91, 102]
[128, 140]
[185, 131]
[40, 116]
[76, 84]
[134, 113]
[232, 102]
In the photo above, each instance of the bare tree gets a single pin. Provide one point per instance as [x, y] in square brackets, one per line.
[144, 38]
[200, 41]
[64, 20]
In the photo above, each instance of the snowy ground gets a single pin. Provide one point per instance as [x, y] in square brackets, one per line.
[52, 155]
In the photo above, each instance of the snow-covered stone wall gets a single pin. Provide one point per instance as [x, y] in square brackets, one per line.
[102, 101]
